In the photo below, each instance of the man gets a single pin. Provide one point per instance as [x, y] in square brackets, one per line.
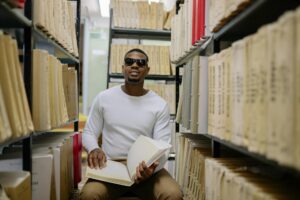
[121, 114]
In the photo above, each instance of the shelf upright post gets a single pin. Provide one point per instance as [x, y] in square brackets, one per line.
[177, 6]
[215, 148]
[109, 47]
[76, 126]
[215, 145]
[177, 85]
[77, 65]
[78, 21]
[27, 142]
[216, 46]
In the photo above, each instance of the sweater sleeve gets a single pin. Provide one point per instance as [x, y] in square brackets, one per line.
[94, 125]
[162, 131]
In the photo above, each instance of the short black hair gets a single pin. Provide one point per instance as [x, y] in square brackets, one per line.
[137, 50]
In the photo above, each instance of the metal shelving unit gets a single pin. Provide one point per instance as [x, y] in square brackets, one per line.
[12, 18]
[243, 24]
[258, 13]
[42, 40]
[36, 133]
[199, 49]
[139, 34]
[148, 77]
[33, 37]
[279, 168]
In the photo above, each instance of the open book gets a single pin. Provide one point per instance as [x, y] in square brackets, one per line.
[143, 149]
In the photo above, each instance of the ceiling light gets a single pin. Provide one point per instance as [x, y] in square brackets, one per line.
[104, 7]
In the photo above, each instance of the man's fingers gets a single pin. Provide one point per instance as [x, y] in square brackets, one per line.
[155, 164]
[96, 159]
[101, 160]
[144, 165]
[146, 170]
[90, 162]
[143, 172]
[93, 161]
[138, 174]
[141, 168]
[96, 162]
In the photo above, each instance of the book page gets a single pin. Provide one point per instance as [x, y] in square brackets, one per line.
[145, 149]
[15, 86]
[40, 90]
[25, 104]
[8, 90]
[203, 95]
[297, 88]
[5, 128]
[194, 94]
[114, 172]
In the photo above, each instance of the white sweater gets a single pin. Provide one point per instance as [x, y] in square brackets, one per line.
[121, 118]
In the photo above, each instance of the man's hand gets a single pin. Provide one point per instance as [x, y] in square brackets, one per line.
[96, 159]
[143, 172]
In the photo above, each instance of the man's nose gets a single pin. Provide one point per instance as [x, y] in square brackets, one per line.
[134, 64]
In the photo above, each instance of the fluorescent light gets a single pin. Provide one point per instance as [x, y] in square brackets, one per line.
[156, 1]
[104, 7]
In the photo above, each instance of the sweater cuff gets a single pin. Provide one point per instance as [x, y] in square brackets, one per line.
[92, 147]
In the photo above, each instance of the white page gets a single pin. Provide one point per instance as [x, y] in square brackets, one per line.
[114, 172]
[145, 149]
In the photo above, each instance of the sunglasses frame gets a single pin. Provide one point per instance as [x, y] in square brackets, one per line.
[139, 62]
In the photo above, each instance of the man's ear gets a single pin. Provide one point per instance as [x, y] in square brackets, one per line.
[148, 69]
[123, 67]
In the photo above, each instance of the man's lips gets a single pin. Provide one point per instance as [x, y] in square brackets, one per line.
[134, 73]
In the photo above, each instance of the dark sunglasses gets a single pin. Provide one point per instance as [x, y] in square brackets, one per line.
[139, 62]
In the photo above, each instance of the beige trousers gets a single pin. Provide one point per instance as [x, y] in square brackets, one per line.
[161, 186]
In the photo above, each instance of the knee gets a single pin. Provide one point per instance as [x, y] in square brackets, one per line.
[171, 194]
[91, 194]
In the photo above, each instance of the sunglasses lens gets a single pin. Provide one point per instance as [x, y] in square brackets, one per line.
[139, 62]
[129, 61]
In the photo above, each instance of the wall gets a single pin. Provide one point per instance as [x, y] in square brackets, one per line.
[95, 58]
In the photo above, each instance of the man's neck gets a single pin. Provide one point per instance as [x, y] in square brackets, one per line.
[134, 90]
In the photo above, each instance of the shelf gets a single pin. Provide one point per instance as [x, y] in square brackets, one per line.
[44, 41]
[12, 17]
[12, 140]
[172, 156]
[140, 34]
[37, 133]
[148, 77]
[179, 1]
[195, 136]
[258, 13]
[256, 156]
[196, 50]
[172, 116]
